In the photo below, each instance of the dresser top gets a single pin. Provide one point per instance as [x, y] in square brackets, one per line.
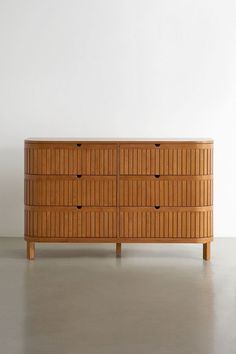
[117, 140]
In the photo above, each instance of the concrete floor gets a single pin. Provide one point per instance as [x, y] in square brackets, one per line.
[81, 299]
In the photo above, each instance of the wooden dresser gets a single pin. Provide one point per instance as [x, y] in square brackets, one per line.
[93, 190]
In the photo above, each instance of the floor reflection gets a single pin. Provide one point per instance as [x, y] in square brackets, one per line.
[85, 303]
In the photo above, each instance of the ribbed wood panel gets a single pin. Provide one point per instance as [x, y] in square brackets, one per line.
[70, 159]
[54, 159]
[166, 191]
[100, 159]
[118, 192]
[56, 222]
[166, 159]
[166, 222]
[70, 191]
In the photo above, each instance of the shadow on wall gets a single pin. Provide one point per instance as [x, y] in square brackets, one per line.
[12, 191]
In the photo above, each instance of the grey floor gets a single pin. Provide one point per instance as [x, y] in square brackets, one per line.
[81, 299]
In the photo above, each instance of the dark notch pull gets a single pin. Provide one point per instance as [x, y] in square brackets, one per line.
[79, 206]
[158, 145]
[79, 145]
[79, 176]
[157, 176]
[157, 206]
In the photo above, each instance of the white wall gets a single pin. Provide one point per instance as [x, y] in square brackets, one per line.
[113, 69]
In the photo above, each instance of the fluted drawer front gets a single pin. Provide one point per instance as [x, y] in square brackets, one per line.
[69, 222]
[70, 190]
[99, 159]
[166, 159]
[166, 191]
[52, 158]
[166, 222]
[70, 159]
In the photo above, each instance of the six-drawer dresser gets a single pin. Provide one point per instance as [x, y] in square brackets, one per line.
[126, 190]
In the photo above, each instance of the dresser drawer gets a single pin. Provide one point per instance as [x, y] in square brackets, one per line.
[70, 190]
[166, 222]
[189, 159]
[69, 222]
[166, 191]
[70, 159]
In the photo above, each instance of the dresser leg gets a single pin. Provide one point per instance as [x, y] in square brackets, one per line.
[207, 251]
[118, 249]
[30, 250]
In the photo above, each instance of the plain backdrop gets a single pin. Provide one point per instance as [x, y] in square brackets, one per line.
[124, 68]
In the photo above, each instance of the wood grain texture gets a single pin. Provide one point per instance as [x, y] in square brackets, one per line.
[30, 250]
[166, 191]
[70, 190]
[206, 251]
[121, 240]
[166, 222]
[114, 191]
[166, 159]
[118, 249]
[69, 222]
[70, 159]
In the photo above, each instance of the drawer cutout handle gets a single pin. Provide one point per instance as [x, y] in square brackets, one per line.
[79, 145]
[79, 176]
[157, 206]
[157, 176]
[158, 145]
[79, 206]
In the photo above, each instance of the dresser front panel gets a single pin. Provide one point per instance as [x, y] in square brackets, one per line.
[166, 222]
[70, 190]
[70, 159]
[168, 159]
[118, 191]
[69, 222]
[166, 191]
[99, 159]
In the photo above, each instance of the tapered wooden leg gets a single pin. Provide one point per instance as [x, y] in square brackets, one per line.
[30, 250]
[118, 249]
[207, 251]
